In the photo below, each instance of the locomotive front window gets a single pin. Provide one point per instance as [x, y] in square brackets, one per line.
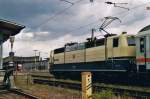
[115, 42]
[131, 41]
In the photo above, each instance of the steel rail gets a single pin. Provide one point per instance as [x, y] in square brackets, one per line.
[22, 93]
[41, 76]
[19, 92]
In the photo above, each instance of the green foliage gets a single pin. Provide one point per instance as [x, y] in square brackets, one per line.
[105, 94]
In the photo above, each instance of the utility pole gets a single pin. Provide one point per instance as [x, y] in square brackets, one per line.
[12, 65]
[35, 59]
[39, 60]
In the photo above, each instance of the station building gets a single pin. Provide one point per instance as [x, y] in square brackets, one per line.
[28, 63]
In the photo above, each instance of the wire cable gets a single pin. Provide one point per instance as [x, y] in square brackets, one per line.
[120, 13]
[55, 15]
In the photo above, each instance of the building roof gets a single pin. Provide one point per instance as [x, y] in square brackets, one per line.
[21, 59]
[8, 29]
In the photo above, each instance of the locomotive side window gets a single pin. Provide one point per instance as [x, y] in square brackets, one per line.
[131, 41]
[115, 42]
[141, 44]
[100, 42]
[59, 50]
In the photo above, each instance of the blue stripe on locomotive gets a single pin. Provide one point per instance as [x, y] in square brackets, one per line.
[109, 65]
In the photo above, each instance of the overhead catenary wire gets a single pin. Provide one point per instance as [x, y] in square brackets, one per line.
[117, 4]
[131, 9]
[120, 13]
[97, 21]
[67, 1]
[89, 24]
[55, 15]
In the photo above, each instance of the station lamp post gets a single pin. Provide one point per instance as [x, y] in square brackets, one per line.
[11, 53]
[12, 39]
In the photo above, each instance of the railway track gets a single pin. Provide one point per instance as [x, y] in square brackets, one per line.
[20, 92]
[41, 76]
[136, 93]
[15, 94]
[45, 75]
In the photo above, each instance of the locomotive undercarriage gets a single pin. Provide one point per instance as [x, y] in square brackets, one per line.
[127, 75]
[110, 77]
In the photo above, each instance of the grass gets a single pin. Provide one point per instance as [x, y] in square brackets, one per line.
[49, 92]
[139, 88]
[108, 94]
[105, 94]
[45, 91]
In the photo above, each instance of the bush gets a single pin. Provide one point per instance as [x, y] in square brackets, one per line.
[105, 94]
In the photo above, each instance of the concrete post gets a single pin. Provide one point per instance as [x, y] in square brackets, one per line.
[86, 85]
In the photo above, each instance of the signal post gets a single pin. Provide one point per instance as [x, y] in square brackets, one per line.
[86, 85]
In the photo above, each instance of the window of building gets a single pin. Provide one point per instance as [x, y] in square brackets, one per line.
[115, 42]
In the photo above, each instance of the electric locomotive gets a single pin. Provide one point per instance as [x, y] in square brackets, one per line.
[113, 53]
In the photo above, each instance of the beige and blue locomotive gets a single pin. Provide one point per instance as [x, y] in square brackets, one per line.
[114, 53]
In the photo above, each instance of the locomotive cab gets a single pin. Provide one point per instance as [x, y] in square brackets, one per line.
[143, 49]
[121, 46]
[121, 51]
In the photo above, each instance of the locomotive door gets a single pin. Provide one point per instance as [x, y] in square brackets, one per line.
[147, 53]
[113, 50]
[142, 66]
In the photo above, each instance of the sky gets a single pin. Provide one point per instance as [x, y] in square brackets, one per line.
[52, 23]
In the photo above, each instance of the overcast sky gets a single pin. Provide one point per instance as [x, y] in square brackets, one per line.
[46, 29]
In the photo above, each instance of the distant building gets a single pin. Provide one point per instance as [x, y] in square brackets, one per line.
[28, 63]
